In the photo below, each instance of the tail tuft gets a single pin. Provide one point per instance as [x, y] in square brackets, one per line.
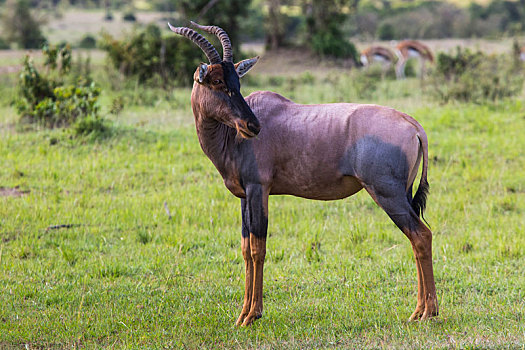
[419, 202]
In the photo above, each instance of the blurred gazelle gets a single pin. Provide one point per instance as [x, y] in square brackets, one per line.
[377, 54]
[380, 55]
[412, 49]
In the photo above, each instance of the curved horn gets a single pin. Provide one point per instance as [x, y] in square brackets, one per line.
[223, 37]
[209, 50]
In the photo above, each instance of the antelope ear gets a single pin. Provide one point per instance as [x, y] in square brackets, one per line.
[244, 66]
[203, 70]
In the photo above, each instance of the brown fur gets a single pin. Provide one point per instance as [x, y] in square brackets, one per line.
[294, 156]
[248, 286]
[325, 152]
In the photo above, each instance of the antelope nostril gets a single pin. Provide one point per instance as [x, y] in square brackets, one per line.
[253, 127]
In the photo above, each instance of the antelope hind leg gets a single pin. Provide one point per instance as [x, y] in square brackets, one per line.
[394, 202]
[420, 307]
[422, 241]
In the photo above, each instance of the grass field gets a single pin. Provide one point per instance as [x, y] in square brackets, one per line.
[122, 274]
[72, 25]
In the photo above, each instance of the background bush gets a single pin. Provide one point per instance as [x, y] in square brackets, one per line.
[150, 58]
[328, 43]
[4, 45]
[20, 26]
[129, 16]
[467, 76]
[87, 42]
[50, 100]
[399, 20]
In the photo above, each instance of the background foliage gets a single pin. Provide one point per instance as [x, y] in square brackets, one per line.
[476, 77]
[148, 56]
[226, 14]
[437, 19]
[54, 99]
[20, 26]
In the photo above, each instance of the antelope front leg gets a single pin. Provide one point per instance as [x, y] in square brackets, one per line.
[258, 250]
[248, 285]
[248, 264]
[255, 226]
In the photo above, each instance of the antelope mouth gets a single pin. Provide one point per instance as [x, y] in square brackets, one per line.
[245, 129]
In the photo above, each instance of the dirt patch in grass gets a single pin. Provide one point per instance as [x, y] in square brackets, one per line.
[12, 192]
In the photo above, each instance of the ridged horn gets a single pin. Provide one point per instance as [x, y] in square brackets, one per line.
[205, 45]
[227, 54]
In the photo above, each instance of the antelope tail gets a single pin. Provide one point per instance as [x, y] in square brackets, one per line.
[419, 202]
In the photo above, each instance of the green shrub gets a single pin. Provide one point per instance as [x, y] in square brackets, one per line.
[386, 31]
[92, 126]
[148, 56]
[87, 42]
[475, 77]
[327, 43]
[4, 45]
[48, 100]
[452, 66]
[129, 17]
[51, 55]
[67, 105]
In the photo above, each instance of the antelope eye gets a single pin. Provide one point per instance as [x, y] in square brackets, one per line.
[217, 82]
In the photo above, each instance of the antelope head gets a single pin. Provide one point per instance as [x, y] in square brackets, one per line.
[216, 90]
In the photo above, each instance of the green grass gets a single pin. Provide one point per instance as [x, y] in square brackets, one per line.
[337, 275]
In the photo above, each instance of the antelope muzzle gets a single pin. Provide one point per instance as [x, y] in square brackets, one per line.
[247, 128]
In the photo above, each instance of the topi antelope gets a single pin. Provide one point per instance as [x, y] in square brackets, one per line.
[408, 49]
[323, 152]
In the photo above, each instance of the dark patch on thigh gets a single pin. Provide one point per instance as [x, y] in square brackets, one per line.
[384, 170]
[377, 164]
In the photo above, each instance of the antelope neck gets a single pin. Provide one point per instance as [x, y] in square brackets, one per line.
[217, 140]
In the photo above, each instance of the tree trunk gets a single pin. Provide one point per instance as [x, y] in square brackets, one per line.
[275, 29]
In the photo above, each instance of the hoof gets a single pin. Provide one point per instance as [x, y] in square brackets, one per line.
[423, 314]
[429, 314]
[416, 315]
[250, 318]
[241, 318]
